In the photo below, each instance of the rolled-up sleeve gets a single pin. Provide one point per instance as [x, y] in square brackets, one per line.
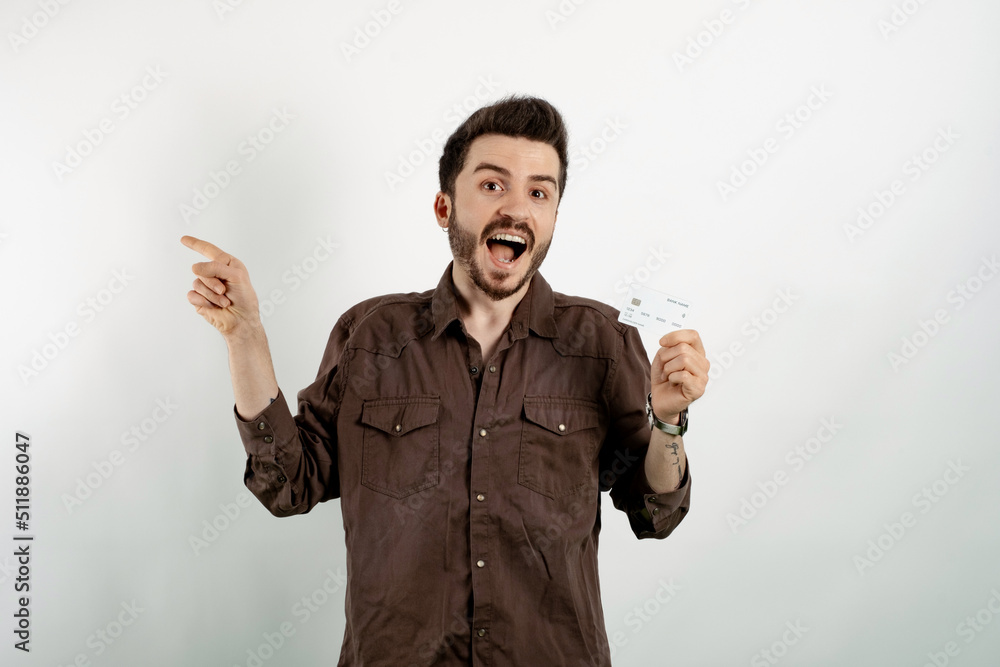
[292, 461]
[654, 514]
[650, 514]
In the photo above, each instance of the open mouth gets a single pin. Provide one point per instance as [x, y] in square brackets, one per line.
[506, 248]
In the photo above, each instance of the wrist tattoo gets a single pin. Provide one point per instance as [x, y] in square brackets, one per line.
[673, 447]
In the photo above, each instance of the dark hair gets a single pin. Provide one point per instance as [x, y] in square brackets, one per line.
[513, 116]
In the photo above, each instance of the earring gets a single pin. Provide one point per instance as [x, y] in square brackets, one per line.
[444, 229]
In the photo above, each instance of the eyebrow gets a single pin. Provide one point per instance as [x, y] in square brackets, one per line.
[505, 172]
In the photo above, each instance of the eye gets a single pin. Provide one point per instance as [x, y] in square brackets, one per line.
[539, 194]
[491, 185]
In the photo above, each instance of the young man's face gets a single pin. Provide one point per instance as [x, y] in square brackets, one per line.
[508, 187]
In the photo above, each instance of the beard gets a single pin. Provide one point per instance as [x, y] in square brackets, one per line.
[464, 245]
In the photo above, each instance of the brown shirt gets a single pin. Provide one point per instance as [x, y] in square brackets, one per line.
[470, 487]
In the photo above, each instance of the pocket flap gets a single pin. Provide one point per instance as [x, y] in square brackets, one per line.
[561, 416]
[399, 416]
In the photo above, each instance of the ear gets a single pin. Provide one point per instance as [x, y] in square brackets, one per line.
[442, 209]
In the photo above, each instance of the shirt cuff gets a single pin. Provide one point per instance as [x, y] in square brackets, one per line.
[270, 428]
[659, 509]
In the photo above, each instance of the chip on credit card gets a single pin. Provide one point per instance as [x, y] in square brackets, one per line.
[658, 312]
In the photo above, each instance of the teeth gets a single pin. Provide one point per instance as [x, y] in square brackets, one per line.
[509, 237]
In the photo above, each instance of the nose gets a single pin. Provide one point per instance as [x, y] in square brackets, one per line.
[515, 204]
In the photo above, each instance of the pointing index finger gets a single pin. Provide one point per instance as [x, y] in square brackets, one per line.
[207, 249]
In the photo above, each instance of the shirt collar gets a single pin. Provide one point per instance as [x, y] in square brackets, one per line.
[536, 311]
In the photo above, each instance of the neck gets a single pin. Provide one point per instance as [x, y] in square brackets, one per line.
[477, 310]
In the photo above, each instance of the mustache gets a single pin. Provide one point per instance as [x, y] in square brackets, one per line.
[504, 223]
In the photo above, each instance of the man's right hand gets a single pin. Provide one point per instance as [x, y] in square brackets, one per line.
[222, 292]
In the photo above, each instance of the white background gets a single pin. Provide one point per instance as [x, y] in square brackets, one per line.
[820, 550]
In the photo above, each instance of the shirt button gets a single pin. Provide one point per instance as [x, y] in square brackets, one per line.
[480, 497]
[656, 510]
[481, 632]
[268, 439]
[493, 369]
[480, 563]
[562, 428]
[473, 370]
[261, 426]
[482, 432]
[399, 427]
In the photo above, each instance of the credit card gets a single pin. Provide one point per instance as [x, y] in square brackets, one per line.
[655, 311]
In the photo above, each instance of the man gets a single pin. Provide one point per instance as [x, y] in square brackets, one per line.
[468, 430]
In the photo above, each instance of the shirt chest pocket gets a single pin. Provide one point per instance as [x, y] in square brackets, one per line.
[559, 442]
[401, 448]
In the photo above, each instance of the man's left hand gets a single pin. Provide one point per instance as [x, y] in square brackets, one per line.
[679, 374]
